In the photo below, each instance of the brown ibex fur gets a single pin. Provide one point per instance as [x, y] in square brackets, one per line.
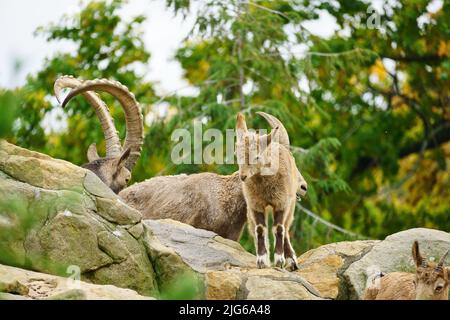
[430, 282]
[204, 200]
[111, 171]
[270, 179]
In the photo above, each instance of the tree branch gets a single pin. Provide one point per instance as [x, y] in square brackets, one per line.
[432, 58]
[240, 44]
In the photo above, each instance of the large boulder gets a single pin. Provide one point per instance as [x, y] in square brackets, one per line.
[324, 266]
[394, 254]
[225, 270]
[339, 270]
[56, 217]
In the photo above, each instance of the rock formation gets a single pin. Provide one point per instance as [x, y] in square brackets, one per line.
[58, 220]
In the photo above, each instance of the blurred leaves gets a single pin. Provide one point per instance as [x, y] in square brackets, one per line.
[183, 287]
[9, 106]
[355, 104]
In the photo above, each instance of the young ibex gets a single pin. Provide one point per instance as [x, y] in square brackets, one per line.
[270, 179]
[430, 282]
[115, 168]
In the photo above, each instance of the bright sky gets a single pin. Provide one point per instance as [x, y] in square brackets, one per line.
[163, 34]
[19, 18]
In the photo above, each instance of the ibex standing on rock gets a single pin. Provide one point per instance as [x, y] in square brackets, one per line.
[430, 282]
[270, 179]
[115, 168]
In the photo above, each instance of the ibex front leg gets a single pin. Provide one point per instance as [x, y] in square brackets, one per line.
[279, 236]
[261, 239]
[289, 253]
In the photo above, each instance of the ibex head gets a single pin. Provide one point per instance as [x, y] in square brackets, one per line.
[115, 168]
[251, 147]
[111, 171]
[431, 279]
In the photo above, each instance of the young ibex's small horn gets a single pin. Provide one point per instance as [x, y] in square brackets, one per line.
[442, 261]
[276, 123]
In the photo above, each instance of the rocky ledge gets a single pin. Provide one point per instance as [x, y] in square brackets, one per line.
[58, 221]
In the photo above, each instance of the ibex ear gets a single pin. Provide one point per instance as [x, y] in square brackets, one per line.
[241, 126]
[123, 158]
[92, 153]
[448, 272]
[418, 259]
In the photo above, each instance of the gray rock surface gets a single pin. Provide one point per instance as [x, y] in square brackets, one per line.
[202, 250]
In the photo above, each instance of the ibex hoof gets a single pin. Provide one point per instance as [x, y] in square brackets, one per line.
[262, 261]
[279, 260]
[291, 264]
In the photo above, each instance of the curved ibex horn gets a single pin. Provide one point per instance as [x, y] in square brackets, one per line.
[113, 147]
[274, 123]
[133, 116]
[440, 265]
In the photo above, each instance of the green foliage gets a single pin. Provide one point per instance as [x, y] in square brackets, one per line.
[244, 61]
[17, 209]
[183, 287]
[384, 116]
[8, 108]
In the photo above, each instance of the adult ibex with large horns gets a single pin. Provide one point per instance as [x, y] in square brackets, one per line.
[115, 168]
